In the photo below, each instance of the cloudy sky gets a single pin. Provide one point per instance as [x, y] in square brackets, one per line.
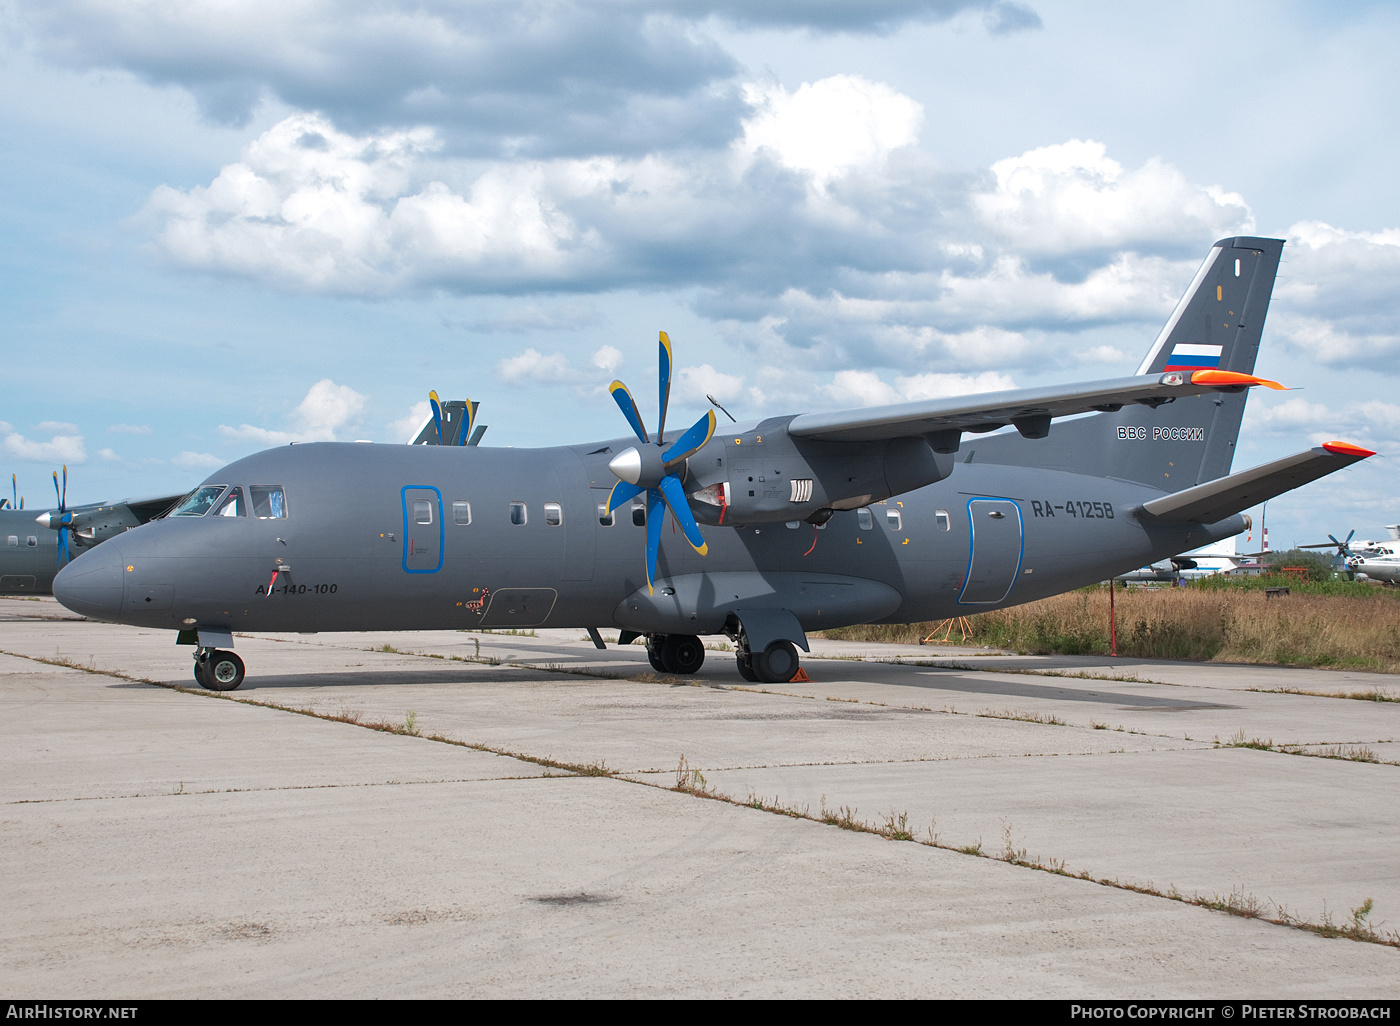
[231, 225]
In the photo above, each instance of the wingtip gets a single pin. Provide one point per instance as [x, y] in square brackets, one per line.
[1224, 377]
[1347, 449]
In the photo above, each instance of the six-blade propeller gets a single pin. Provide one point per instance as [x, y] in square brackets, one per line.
[656, 469]
[65, 516]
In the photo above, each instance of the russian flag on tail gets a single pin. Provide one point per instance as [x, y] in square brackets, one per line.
[1193, 356]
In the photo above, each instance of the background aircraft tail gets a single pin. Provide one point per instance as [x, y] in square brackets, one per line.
[1192, 440]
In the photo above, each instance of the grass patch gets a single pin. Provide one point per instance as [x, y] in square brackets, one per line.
[1328, 624]
[1239, 741]
[1373, 695]
[1025, 717]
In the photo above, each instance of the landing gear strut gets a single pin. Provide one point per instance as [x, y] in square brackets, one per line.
[680, 654]
[216, 670]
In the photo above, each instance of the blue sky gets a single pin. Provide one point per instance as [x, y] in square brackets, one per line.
[225, 227]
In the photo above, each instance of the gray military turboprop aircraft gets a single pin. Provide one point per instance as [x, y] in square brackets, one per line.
[30, 557]
[814, 521]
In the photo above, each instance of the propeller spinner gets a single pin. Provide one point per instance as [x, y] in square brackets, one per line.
[655, 469]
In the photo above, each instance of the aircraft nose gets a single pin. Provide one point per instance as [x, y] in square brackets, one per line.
[92, 585]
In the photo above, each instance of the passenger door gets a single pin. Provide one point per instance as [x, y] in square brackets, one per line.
[423, 532]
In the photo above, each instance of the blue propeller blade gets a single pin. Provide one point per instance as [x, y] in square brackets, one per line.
[656, 513]
[663, 366]
[628, 406]
[674, 495]
[65, 518]
[693, 440]
[437, 414]
[621, 493]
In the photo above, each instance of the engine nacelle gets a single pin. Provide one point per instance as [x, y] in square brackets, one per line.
[765, 475]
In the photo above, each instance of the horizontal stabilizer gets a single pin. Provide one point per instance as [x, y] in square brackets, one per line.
[1028, 408]
[1226, 496]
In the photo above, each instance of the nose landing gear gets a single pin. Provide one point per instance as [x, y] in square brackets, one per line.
[216, 670]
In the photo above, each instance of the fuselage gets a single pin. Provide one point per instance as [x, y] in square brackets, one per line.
[430, 537]
[28, 553]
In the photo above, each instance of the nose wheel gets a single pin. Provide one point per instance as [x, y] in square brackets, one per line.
[216, 670]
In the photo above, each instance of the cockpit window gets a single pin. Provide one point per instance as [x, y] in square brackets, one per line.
[233, 505]
[268, 502]
[197, 503]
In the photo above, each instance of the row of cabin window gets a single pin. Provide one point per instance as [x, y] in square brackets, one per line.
[32, 541]
[554, 515]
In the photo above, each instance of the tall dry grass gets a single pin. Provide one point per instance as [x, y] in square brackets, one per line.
[1182, 623]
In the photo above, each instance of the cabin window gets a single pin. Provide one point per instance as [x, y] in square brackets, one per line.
[269, 502]
[793, 525]
[942, 520]
[639, 516]
[14, 539]
[31, 541]
[461, 512]
[519, 515]
[197, 503]
[422, 511]
[865, 518]
[894, 519]
[604, 517]
[232, 506]
[553, 514]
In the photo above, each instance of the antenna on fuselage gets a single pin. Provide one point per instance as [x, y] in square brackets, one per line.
[715, 403]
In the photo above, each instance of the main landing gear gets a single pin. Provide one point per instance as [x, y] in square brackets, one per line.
[679, 654]
[216, 670]
[776, 664]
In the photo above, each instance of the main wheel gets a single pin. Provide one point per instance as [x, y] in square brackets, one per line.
[199, 674]
[223, 671]
[778, 663]
[682, 653]
[746, 669]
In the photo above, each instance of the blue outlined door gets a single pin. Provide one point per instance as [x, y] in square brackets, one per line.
[422, 529]
[997, 546]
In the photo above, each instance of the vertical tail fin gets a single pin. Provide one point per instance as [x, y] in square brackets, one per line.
[1218, 323]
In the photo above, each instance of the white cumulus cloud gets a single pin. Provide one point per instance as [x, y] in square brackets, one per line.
[829, 126]
[65, 444]
[327, 413]
[866, 388]
[191, 460]
[1073, 196]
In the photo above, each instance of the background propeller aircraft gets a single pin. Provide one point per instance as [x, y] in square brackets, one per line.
[34, 548]
[450, 423]
[793, 524]
[1377, 560]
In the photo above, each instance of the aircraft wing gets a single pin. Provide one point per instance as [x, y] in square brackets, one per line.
[1030, 409]
[146, 509]
[1223, 497]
